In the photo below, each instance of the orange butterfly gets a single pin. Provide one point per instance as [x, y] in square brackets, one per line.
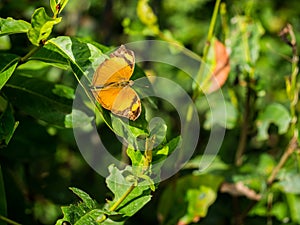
[111, 86]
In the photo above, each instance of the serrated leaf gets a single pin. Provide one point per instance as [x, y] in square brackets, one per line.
[274, 113]
[41, 26]
[11, 26]
[119, 185]
[8, 64]
[90, 203]
[36, 98]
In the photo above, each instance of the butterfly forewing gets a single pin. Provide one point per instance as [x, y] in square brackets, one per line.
[111, 85]
[119, 67]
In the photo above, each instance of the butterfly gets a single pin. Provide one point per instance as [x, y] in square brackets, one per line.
[111, 84]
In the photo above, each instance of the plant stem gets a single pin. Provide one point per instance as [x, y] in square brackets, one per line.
[9, 221]
[120, 200]
[211, 29]
[30, 53]
[244, 132]
[117, 203]
[292, 92]
[246, 115]
[292, 146]
[209, 37]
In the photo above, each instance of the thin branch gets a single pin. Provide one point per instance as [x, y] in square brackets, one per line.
[9, 221]
[292, 146]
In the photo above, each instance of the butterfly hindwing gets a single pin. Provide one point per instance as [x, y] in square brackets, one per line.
[111, 86]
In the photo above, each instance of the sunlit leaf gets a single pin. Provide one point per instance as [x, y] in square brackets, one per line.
[41, 26]
[119, 185]
[53, 6]
[8, 64]
[178, 201]
[199, 201]
[11, 26]
[274, 113]
[145, 13]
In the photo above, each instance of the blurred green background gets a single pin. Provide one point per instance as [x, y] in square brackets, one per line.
[42, 161]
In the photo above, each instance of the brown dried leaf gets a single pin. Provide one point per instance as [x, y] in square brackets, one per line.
[222, 67]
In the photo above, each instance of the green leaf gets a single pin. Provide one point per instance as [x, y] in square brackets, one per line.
[130, 132]
[216, 115]
[8, 125]
[181, 200]
[89, 202]
[85, 212]
[3, 207]
[294, 207]
[245, 26]
[273, 113]
[62, 4]
[8, 64]
[199, 201]
[145, 13]
[5, 43]
[11, 26]
[51, 57]
[119, 185]
[64, 91]
[216, 163]
[53, 6]
[158, 130]
[36, 98]
[79, 119]
[82, 56]
[290, 183]
[41, 26]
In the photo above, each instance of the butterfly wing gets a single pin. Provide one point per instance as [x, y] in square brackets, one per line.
[119, 67]
[122, 101]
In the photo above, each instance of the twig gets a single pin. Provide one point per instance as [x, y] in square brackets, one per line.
[9, 221]
[292, 146]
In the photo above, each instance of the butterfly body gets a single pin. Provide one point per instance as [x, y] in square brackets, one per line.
[111, 85]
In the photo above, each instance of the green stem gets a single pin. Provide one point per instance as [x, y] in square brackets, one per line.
[211, 29]
[289, 150]
[120, 200]
[209, 37]
[30, 53]
[117, 203]
[9, 221]
[250, 78]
